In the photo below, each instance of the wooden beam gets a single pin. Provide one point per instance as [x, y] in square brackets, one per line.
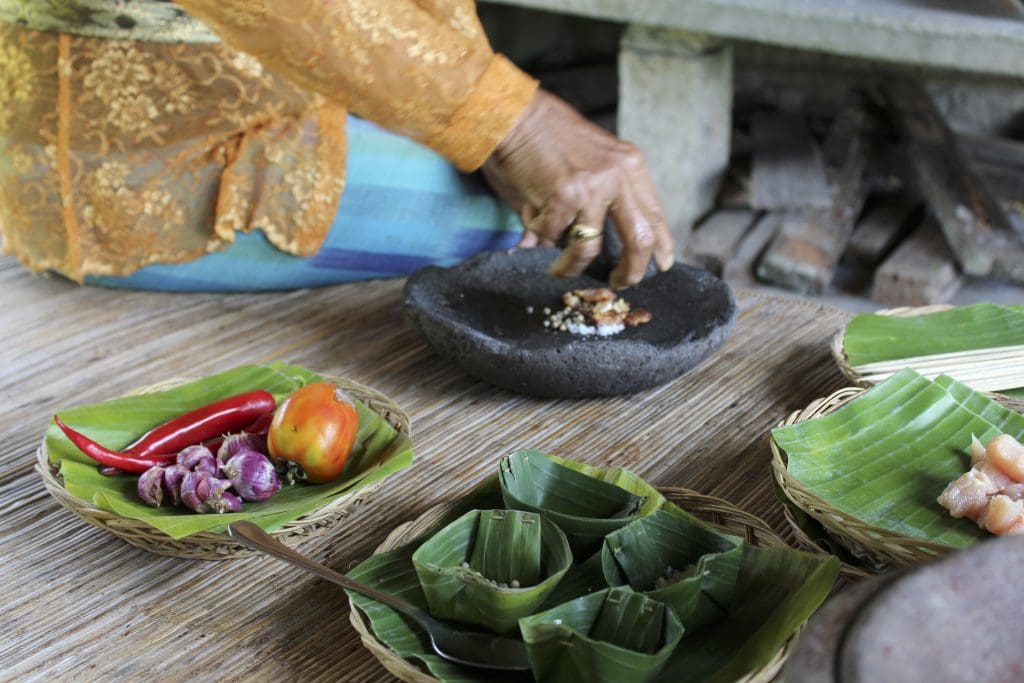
[994, 150]
[807, 248]
[882, 227]
[920, 272]
[788, 170]
[740, 268]
[937, 33]
[982, 238]
[715, 240]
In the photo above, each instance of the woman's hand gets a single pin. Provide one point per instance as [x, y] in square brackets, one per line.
[558, 170]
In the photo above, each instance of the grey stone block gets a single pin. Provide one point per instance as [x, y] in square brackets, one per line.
[675, 101]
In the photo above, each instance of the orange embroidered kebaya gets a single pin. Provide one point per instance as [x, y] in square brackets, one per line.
[119, 153]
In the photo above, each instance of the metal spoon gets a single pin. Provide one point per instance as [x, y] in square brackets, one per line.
[470, 648]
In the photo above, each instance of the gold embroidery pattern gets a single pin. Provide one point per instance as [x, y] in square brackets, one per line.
[247, 64]
[17, 81]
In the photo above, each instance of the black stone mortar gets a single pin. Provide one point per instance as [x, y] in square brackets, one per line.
[475, 314]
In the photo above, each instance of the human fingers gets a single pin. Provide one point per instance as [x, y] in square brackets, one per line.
[637, 237]
[560, 210]
[648, 201]
[528, 240]
[528, 214]
[583, 244]
[532, 239]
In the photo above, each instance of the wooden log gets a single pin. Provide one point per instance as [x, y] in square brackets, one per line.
[1004, 182]
[715, 240]
[881, 228]
[735, 191]
[788, 170]
[740, 268]
[1000, 165]
[920, 272]
[982, 238]
[807, 248]
[993, 150]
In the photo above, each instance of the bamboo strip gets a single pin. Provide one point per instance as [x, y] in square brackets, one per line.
[982, 379]
[1008, 353]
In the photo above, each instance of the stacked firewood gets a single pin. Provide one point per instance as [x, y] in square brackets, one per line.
[881, 186]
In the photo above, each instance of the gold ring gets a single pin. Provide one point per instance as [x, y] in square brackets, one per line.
[581, 232]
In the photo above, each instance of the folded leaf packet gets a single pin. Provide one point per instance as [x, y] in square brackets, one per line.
[672, 558]
[586, 503]
[886, 455]
[612, 635]
[491, 567]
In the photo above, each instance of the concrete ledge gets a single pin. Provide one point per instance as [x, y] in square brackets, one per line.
[908, 32]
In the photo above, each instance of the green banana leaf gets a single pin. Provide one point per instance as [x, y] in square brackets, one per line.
[775, 592]
[583, 578]
[587, 503]
[885, 456]
[614, 635]
[871, 337]
[640, 553]
[379, 452]
[393, 572]
[467, 569]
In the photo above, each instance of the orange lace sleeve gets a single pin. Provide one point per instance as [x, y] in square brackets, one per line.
[421, 68]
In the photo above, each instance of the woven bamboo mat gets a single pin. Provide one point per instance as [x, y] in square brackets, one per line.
[80, 603]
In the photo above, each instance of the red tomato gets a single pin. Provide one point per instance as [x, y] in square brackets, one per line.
[315, 428]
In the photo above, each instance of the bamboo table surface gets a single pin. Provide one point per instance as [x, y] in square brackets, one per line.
[79, 603]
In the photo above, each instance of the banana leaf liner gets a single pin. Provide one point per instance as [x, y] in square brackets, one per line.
[587, 503]
[914, 331]
[382, 448]
[868, 465]
[676, 560]
[776, 591]
[609, 636]
[491, 567]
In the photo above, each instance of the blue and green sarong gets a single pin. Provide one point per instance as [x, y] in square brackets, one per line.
[404, 207]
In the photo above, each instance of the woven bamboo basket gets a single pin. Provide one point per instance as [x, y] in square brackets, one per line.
[716, 512]
[876, 548]
[839, 339]
[215, 546]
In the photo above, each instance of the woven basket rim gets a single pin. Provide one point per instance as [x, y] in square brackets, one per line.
[880, 549]
[207, 544]
[839, 339]
[748, 525]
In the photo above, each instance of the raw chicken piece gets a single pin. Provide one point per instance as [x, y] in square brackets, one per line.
[999, 479]
[1008, 455]
[967, 495]
[977, 451]
[992, 492]
[1014, 491]
[1003, 516]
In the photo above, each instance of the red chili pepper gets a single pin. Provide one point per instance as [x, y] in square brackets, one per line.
[128, 462]
[221, 417]
[262, 424]
[260, 427]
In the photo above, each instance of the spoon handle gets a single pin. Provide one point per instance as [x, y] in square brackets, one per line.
[257, 539]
